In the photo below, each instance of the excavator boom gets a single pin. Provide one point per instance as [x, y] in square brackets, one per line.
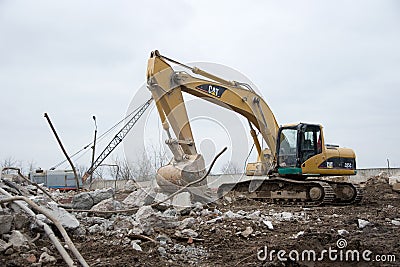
[167, 86]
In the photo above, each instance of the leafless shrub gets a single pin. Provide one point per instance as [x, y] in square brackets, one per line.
[10, 162]
[124, 169]
[230, 168]
[143, 168]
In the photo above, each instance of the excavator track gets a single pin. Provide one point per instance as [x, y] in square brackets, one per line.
[346, 193]
[288, 192]
[281, 191]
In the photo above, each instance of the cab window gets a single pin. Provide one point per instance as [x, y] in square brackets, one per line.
[287, 148]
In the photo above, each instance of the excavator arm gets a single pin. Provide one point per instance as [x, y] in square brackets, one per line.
[167, 85]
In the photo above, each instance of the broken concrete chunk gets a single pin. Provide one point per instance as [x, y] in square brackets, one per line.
[94, 229]
[298, 234]
[20, 221]
[197, 207]
[205, 212]
[82, 201]
[186, 211]
[247, 232]
[283, 216]
[125, 223]
[66, 219]
[242, 212]
[101, 194]
[396, 187]
[396, 222]
[162, 251]
[343, 232]
[130, 186]
[4, 245]
[138, 198]
[218, 219]
[363, 223]
[394, 179]
[135, 230]
[228, 199]
[187, 223]
[146, 216]
[45, 249]
[46, 258]
[182, 201]
[268, 224]
[170, 212]
[107, 225]
[144, 213]
[163, 239]
[18, 240]
[107, 204]
[80, 231]
[135, 245]
[189, 233]
[31, 188]
[9, 251]
[93, 220]
[161, 197]
[5, 223]
[254, 216]
[231, 215]
[40, 200]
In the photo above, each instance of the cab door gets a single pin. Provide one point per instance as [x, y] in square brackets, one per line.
[310, 142]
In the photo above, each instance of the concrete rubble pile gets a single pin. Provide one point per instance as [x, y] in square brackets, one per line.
[20, 232]
[175, 229]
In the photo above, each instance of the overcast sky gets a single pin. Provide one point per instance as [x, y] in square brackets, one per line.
[331, 62]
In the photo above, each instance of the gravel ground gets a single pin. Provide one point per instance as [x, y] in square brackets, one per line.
[243, 233]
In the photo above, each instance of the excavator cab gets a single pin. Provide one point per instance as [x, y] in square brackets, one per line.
[301, 151]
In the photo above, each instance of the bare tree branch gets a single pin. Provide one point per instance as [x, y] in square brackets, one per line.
[230, 168]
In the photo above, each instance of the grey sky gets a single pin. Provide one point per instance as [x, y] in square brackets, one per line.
[331, 62]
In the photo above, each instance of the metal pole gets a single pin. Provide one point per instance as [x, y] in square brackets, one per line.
[115, 182]
[63, 149]
[116, 175]
[388, 166]
[94, 146]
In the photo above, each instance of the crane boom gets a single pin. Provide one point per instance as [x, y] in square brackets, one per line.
[117, 139]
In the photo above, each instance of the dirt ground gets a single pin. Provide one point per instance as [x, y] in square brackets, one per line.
[222, 241]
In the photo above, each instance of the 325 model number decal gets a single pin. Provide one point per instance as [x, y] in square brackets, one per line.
[338, 163]
[212, 89]
[348, 165]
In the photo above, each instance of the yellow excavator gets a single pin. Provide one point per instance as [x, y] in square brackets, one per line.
[288, 171]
